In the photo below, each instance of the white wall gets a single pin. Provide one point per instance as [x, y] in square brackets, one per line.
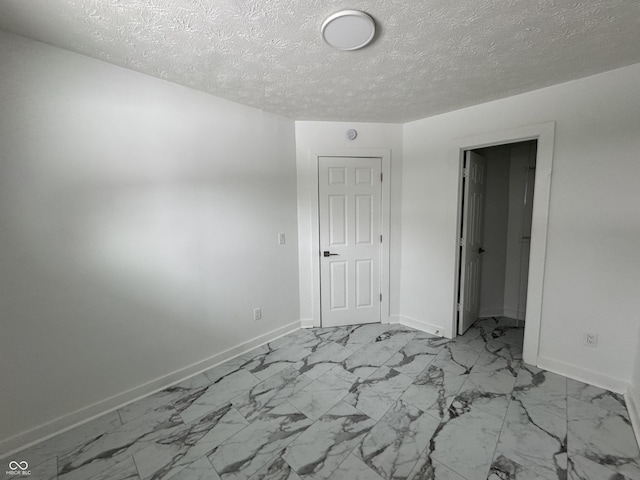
[138, 230]
[314, 138]
[496, 221]
[517, 252]
[592, 264]
[633, 394]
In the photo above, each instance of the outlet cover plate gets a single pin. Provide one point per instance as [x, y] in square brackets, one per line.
[590, 340]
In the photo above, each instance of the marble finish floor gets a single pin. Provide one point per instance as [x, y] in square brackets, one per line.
[366, 402]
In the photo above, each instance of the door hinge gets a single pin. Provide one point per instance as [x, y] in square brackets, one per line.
[380, 238]
[465, 172]
[461, 242]
[459, 307]
[381, 175]
[380, 297]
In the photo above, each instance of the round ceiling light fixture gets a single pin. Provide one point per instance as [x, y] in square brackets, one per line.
[348, 30]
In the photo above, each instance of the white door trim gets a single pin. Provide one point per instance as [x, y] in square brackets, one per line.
[544, 133]
[385, 156]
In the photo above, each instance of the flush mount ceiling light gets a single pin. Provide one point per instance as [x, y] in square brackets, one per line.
[348, 30]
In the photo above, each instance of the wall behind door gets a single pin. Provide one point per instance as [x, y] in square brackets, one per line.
[502, 268]
[326, 138]
[592, 264]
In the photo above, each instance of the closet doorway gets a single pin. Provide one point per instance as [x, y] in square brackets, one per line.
[497, 206]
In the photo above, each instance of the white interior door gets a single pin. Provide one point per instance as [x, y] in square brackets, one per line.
[472, 232]
[350, 195]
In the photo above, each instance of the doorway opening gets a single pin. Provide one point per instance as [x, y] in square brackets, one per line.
[497, 191]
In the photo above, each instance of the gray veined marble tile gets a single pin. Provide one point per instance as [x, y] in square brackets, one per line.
[124, 470]
[270, 393]
[201, 469]
[168, 400]
[220, 371]
[105, 451]
[535, 439]
[429, 469]
[375, 394]
[302, 335]
[457, 358]
[270, 363]
[504, 468]
[414, 357]
[47, 470]
[489, 391]
[218, 394]
[280, 342]
[368, 359]
[396, 337]
[506, 330]
[354, 469]
[234, 364]
[466, 440]
[357, 336]
[323, 447]
[581, 468]
[393, 446]
[499, 357]
[434, 390]
[322, 359]
[600, 397]
[277, 469]
[244, 454]
[67, 441]
[317, 398]
[602, 436]
[542, 389]
[171, 453]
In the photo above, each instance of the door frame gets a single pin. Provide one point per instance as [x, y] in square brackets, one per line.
[385, 156]
[544, 133]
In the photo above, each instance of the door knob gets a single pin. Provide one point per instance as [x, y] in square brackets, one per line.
[481, 250]
[329, 254]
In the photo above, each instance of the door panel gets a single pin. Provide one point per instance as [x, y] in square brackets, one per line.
[338, 282]
[471, 244]
[337, 220]
[350, 197]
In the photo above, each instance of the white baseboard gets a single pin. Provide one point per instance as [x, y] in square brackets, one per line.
[71, 420]
[513, 313]
[417, 324]
[308, 323]
[632, 407]
[585, 375]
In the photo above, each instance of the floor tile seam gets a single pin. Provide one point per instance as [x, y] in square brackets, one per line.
[135, 464]
[608, 467]
[504, 423]
[445, 464]
[591, 404]
[272, 457]
[530, 467]
[324, 413]
[495, 371]
[352, 452]
[208, 457]
[542, 409]
[497, 417]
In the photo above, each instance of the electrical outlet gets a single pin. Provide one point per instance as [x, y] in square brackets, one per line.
[590, 340]
[281, 238]
[257, 314]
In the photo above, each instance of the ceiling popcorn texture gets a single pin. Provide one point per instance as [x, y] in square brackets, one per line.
[428, 56]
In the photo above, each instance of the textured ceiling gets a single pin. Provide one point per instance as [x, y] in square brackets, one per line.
[429, 56]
